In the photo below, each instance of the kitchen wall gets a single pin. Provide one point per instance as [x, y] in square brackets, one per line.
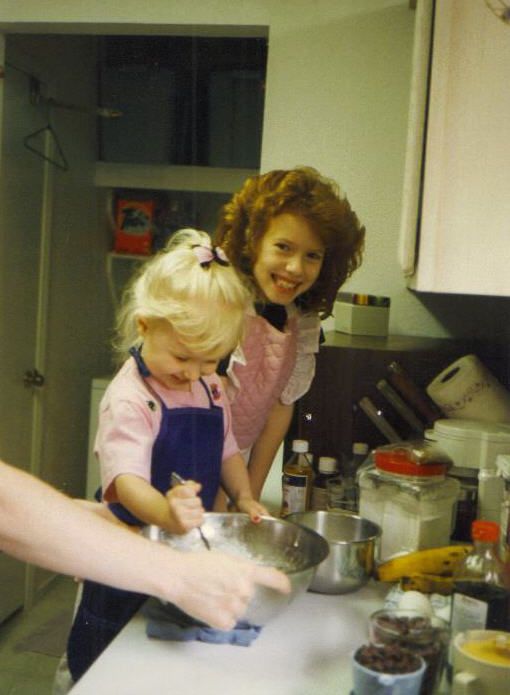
[337, 98]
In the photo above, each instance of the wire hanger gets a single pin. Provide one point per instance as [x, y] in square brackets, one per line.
[31, 143]
[500, 9]
[37, 98]
[36, 141]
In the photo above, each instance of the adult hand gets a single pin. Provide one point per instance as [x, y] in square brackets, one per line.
[216, 588]
[185, 507]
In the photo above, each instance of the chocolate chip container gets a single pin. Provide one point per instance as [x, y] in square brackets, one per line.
[423, 635]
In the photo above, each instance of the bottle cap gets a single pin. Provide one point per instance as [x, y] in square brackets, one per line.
[482, 530]
[327, 464]
[360, 448]
[300, 446]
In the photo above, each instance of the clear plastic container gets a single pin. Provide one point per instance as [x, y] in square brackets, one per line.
[335, 493]
[360, 451]
[423, 635]
[351, 491]
[406, 492]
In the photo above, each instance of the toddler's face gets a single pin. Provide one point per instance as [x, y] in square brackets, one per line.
[289, 259]
[169, 360]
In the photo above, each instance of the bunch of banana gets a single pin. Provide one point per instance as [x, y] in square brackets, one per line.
[427, 584]
[429, 571]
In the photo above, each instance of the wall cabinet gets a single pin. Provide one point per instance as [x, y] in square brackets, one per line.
[181, 125]
[456, 216]
[182, 100]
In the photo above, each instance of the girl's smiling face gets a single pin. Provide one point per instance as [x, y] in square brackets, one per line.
[289, 259]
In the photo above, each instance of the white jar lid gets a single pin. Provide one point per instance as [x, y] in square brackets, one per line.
[300, 446]
[455, 428]
[327, 464]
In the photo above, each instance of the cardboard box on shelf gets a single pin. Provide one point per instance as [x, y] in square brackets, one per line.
[362, 314]
[134, 226]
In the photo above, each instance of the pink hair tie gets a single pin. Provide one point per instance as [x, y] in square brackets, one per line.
[220, 256]
[206, 255]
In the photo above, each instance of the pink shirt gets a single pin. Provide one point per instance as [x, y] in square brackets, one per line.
[270, 365]
[130, 417]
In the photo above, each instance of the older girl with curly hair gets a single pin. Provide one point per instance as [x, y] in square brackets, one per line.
[294, 240]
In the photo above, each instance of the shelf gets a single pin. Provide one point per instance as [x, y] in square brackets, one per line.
[112, 255]
[177, 178]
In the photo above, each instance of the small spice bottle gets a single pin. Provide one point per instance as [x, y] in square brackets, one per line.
[327, 470]
[297, 479]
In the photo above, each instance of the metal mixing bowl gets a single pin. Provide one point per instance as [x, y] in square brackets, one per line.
[292, 548]
[352, 542]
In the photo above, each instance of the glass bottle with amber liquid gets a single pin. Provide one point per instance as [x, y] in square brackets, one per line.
[297, 479]
[481, 588]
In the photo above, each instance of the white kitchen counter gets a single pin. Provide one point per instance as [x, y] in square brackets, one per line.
[304, 651]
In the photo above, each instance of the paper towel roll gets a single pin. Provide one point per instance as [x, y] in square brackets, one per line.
[467, 390]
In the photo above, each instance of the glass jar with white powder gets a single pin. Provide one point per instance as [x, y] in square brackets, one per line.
[407, 493]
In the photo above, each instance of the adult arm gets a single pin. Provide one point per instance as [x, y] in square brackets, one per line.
[265, 448]
[102, 511]
[42, 526]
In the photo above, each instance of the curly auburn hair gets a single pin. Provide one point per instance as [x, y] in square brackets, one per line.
[303, 192]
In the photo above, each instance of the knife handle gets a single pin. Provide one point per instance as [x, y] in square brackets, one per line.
[412, 393]
[400, 406]
[378, 419]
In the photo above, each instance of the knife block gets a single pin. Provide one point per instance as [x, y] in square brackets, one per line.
[349, 367]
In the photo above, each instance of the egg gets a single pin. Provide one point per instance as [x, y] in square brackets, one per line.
[416, 601]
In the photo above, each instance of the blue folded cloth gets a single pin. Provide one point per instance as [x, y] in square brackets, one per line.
[167, 622]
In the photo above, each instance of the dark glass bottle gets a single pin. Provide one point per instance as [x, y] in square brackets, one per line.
[297, 479]
[481, 591]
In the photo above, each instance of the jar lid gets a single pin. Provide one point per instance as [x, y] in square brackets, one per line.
[455, 428]
[327, 464]
[419, 458]
[482, 530]
[300, 446]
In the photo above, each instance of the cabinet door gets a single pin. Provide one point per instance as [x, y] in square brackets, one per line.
[145, 132]
[21, 199]
[465, 211]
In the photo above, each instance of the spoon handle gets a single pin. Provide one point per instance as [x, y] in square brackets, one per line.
[204, 539]
[176, 479]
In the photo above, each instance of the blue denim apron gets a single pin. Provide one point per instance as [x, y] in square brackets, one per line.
[189, 442]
